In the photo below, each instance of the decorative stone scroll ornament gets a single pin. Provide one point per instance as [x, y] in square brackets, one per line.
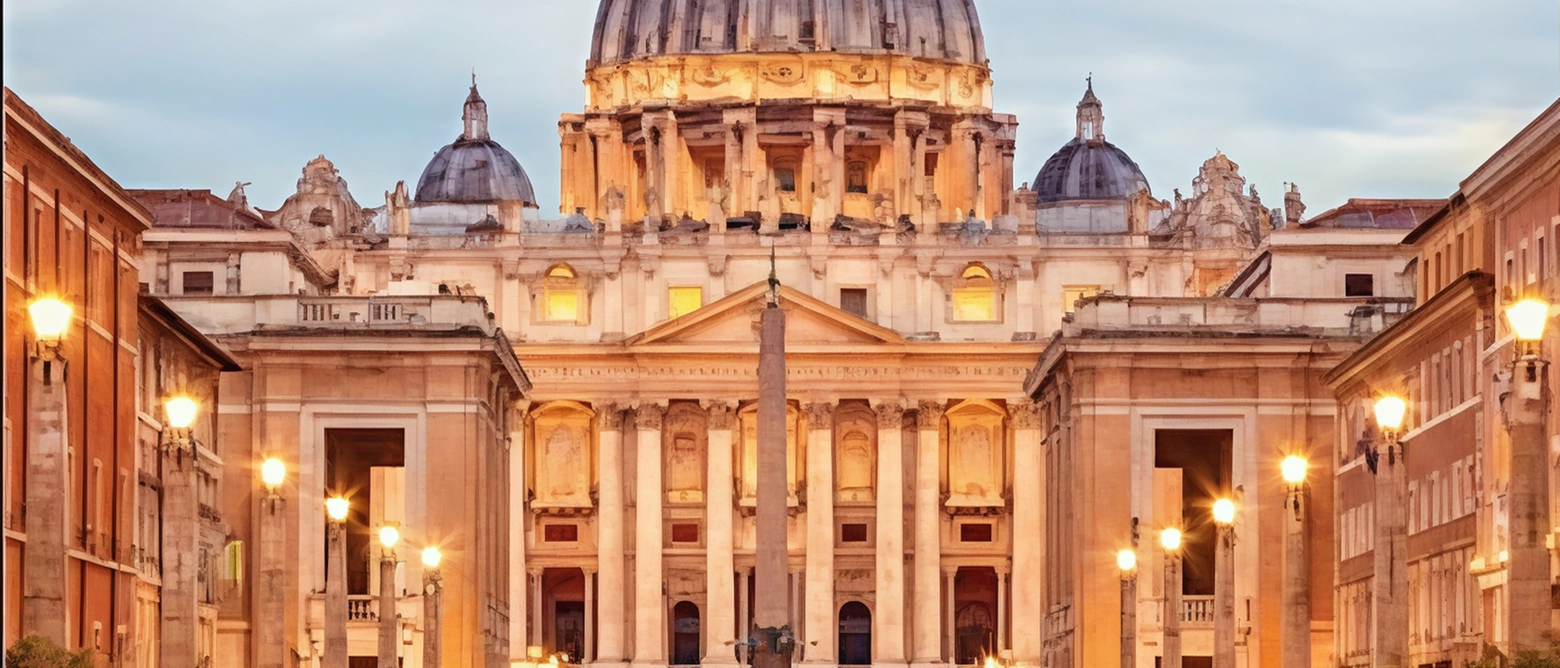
[784, 72]
[928, 415]
[820, 415]
[1025, 414]
[648, 416]
[890, 414]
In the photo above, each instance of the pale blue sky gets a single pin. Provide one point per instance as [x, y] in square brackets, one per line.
[1348, 98]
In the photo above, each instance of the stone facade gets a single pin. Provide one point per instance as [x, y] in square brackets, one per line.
[1491, 244]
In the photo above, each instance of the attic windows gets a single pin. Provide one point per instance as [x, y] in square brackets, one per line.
[562, 299]
[975, 296]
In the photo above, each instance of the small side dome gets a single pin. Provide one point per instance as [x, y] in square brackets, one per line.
[1088, 167]
[475, 168]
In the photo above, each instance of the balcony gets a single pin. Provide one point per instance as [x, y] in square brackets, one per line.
[1197, 610]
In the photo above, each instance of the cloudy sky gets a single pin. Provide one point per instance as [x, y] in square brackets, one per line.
[1348, 98]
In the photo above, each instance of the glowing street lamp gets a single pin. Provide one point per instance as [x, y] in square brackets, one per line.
[50, 320]
[1391, 564]
[1170, 539]
[1126, 561]
[1224, 585]
[1294, 469]
[336, 508]
[273, 472]
[181, 411]
[433, 607]
[1527, 319]
[1224, 512]
[1526, 409]
[389, 535]
[1389, 415]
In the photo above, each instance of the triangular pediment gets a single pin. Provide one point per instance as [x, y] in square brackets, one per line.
[734, 319]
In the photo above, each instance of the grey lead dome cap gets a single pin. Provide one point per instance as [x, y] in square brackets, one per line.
[1085, 169]
[474, 171]
[630, 29]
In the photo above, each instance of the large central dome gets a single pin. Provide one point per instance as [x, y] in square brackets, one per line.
[632, 29]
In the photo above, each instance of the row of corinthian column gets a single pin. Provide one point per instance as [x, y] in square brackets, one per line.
[609, 578]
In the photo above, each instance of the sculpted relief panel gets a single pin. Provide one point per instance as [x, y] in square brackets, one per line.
[686, 439]
[855, 454]
[563, 449]
[976, 454]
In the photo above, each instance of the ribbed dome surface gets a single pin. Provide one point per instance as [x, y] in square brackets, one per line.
[474, 171]
[1088, 170]
[629, 29]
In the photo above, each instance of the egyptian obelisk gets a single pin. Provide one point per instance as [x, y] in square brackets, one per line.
[770, 628]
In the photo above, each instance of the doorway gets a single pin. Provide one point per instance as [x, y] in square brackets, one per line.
[855, 634]
[569, 629]
[685, 634]
[1204, 457]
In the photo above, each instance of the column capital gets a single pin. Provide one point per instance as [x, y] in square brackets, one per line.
[648, 415]
[534, 572]
[820, 414]
[929, 414]
[722, 413]
[609, 416]
[890, 412]
[588, 570]
[950, 571]
[1025, 414]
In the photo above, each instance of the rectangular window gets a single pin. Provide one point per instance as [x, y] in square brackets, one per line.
[1359, 285]
[685, 533]
[561, 533]
[198, 282]
[853, 533]
[854, 301]
[681, 301]
[975, 533]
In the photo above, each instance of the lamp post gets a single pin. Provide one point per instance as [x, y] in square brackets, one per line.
[1224, 585]
[1524, 409]
[433, 607]
[1170, 539]
[270, 634]
[43, 590]
[336, 509]
[388, 536]
[180, 532]
[1390, 582]
[1126, 561]
[1296, 619]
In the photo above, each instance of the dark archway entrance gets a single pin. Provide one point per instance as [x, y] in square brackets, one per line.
[685, 634]
[976, 634]
[855, 634]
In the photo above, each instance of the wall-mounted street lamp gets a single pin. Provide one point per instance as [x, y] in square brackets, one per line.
[273, 472]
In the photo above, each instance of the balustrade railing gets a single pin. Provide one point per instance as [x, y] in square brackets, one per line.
[362, 608]
[1197, 609]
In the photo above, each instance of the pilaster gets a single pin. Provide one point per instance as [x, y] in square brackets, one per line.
[820, 629]
[889, 617]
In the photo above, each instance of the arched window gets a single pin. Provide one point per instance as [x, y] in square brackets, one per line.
[562, 299]
[975, 296]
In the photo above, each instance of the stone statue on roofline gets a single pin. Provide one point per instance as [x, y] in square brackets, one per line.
[1293, 207]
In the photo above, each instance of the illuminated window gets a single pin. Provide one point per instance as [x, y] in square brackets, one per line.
[684, 300]
[1072, 293]
[975, 296]
[562, 300]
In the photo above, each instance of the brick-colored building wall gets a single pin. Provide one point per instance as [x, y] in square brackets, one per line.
[70, 232]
